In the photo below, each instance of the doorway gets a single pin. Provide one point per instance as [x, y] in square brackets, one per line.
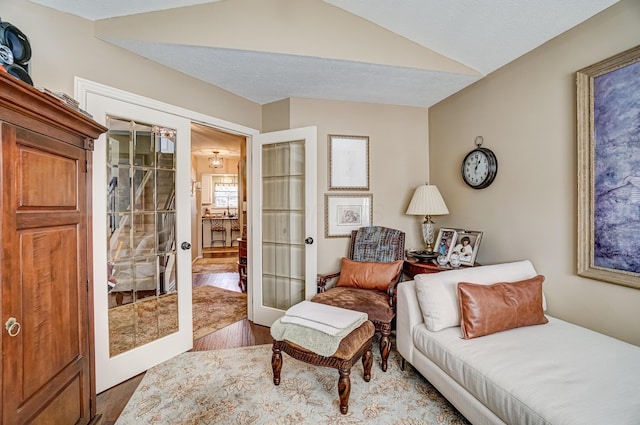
[220, 204]
[101, 102]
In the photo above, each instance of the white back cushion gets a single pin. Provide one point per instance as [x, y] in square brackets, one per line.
[438, 292]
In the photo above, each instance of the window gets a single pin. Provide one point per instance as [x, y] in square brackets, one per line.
[220, 190]
[225, 195]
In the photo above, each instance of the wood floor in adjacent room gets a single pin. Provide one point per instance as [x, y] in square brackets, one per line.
[111, 402]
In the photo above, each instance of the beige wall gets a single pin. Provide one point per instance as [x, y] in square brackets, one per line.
[527, 115]
[525, 112]
[64, 46]
[275, 115]
[398, 149]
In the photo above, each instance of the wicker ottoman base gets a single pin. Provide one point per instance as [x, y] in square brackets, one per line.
[354, 346]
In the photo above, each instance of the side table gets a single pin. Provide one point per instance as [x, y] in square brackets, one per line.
[412, 267]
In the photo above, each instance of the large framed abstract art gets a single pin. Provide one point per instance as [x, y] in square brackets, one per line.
[608, 106]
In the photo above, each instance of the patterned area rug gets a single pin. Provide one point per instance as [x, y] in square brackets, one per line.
[236, 387]
[215, 265]
[215, 308]
[135, 324]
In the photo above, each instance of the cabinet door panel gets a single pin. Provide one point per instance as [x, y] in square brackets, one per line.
[44, 280]
[49, 304]
[40, 188]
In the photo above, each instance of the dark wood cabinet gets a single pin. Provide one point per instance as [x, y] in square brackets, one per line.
[47, 363]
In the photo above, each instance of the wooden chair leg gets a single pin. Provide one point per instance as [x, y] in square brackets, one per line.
[385, 347]
[367, 361]
[276, 365]
[343, 365]
[344, 389]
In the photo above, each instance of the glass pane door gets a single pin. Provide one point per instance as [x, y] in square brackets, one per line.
[140, 233]
[284, 222]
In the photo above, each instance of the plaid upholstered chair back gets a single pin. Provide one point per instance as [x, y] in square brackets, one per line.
[376, 244]
[369, 244]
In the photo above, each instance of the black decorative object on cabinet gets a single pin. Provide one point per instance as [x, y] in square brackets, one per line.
[15, 52]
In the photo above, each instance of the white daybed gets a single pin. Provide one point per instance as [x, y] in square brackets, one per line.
[555, 373]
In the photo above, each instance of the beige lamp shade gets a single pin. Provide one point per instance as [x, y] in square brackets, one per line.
[427, 201]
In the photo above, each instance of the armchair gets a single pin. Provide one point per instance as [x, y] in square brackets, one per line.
[367, 279]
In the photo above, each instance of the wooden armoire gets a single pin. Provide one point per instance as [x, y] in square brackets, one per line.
[47, 366]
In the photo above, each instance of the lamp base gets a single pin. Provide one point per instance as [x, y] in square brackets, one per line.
[423, 256]
[428, 233]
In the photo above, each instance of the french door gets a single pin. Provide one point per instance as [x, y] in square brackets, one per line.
[284, 221]
[141, 232]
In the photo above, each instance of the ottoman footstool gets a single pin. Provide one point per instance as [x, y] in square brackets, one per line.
[352, 347]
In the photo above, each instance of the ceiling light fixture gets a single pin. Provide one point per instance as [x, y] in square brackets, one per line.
[215, 161]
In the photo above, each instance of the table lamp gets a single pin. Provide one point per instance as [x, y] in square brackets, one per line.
[427, 201]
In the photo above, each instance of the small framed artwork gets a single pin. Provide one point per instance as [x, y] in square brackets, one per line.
[344, 213]
[446, 241]
[466, 246]
[348, 162]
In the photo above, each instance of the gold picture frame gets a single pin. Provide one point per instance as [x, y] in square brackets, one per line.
[344, 213]
[348, 162]
[608, 104]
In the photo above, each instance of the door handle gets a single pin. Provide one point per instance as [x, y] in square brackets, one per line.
[185, 246]
[12, 326]
[308, 241]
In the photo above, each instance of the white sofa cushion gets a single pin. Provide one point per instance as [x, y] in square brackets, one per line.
[438, 295]
[558, 373]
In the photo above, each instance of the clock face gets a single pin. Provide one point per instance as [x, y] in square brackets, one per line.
[479, 168]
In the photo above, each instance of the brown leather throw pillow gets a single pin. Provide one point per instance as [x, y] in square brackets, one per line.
[487, 309]
[364, 275]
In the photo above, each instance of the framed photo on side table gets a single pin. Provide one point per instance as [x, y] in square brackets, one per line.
[466, 246]
[344, 213]
[348, 162]
[446, 241]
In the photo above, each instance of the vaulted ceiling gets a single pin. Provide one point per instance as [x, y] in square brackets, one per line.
[400, 52]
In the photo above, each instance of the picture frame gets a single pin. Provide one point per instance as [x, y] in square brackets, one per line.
[344, 213]
[466, 246]
[348, 162]
[608, 97]
[446, 241]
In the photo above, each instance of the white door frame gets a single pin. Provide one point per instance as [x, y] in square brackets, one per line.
[82, 90]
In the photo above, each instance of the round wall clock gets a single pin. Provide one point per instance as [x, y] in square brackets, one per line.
[480, 166]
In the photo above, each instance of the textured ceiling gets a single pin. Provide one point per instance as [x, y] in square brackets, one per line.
[483, 35]
[479, 35]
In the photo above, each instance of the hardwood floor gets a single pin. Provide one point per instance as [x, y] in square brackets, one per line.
[111, 402]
